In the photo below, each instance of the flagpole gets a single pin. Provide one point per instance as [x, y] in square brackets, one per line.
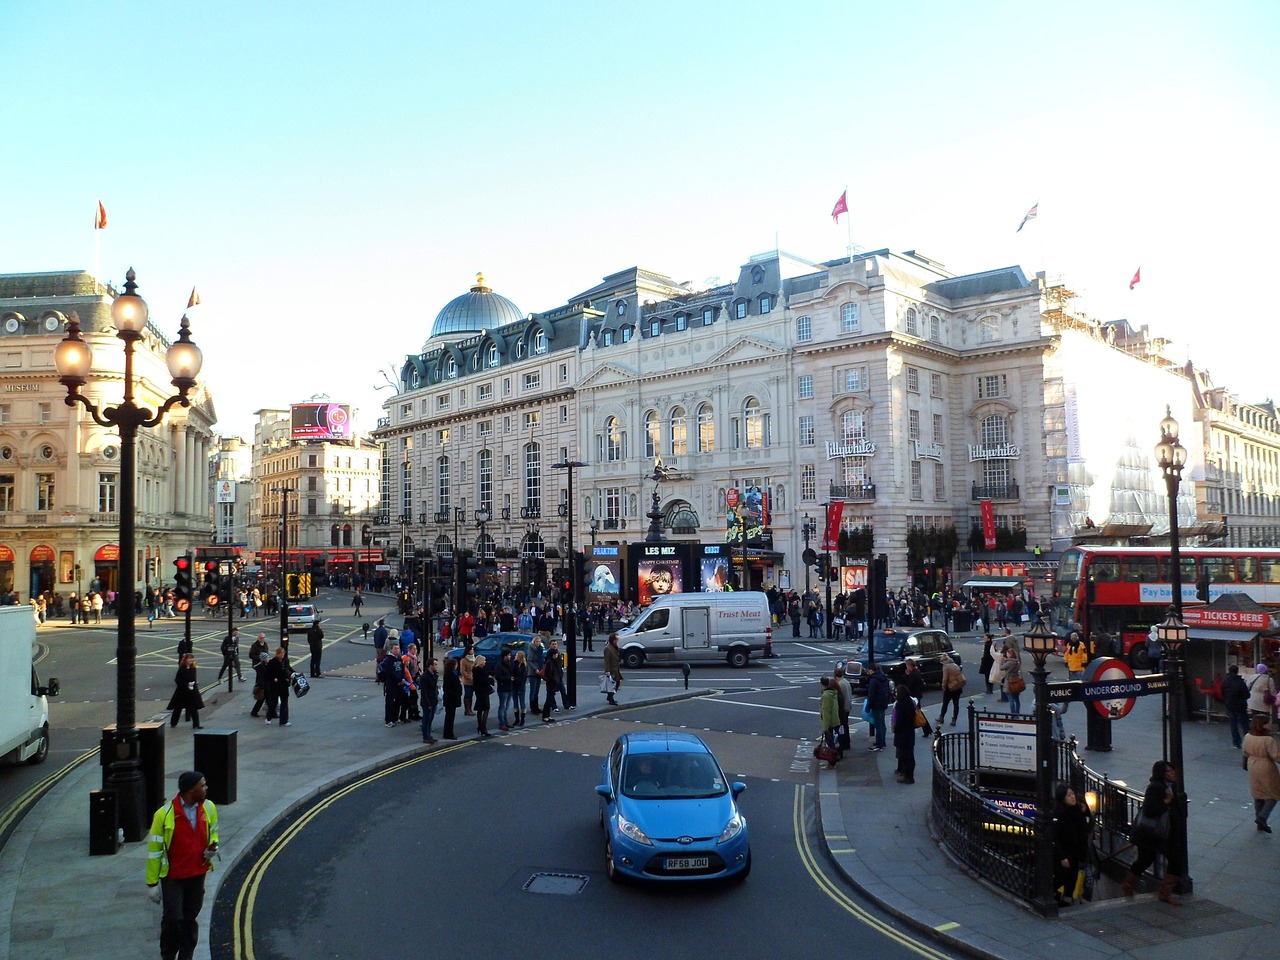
[848, 227]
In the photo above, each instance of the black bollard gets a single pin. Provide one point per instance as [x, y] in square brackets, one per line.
[684, 668]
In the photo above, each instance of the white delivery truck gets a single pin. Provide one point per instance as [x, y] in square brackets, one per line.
[699, 626]
[24, 704]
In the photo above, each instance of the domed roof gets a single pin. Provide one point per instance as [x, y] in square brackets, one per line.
[480, 309]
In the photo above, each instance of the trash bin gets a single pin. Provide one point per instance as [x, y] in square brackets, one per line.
[215, 757]
[104, 823]
[961, 621]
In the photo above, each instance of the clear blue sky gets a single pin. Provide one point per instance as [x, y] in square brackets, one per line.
[329, 174]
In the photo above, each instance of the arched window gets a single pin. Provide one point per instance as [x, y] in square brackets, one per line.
[652, 434]
[520, 349]
[849, 322]
[415, 379]
[333, 536]
[450, 367]
[706, 429]
[995, 430]
[804, 329]
[613, 446]
[935, 328]
[853, 425]
[679, 432]
[493, 355]
[346, 534]
[912, 325]
[539, 341]
[756, 422]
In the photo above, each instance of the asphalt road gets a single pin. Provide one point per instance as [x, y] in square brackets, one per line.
[495, 848]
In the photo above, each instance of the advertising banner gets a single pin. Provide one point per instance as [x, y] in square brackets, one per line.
[320, 421]
[831, 533]
[853, 578]
[659, 577]
[604, 574]
[988, 524]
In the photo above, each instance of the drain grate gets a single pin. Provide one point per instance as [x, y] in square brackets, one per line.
[564, 884]
[1159, 924]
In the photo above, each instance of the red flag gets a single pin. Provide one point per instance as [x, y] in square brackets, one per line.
[1137, 278]
[100, 217]
[842, 206]
[831, 535]
[988, 524]
[194, 299]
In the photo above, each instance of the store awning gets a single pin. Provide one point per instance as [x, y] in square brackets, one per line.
[996, 583]
[1231, 636]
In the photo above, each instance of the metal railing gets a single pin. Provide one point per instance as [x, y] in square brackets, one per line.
[1003, 491]
[853, 491]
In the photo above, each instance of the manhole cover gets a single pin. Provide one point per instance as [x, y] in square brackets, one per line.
[565, 884]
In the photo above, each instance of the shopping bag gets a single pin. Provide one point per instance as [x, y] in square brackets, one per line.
[301, 687]
[607, 684]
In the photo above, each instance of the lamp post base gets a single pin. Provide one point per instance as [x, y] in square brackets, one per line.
[125, 780]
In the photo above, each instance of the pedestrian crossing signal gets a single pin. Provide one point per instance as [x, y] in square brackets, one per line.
[182, 584]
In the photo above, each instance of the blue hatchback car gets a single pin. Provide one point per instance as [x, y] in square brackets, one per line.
[669, 813]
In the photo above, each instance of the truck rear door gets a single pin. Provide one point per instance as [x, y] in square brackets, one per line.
[697, 628]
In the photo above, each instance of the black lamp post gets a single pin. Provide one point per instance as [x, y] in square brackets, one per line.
[74, 362]
[1172, 457]
[570, 627]
[366, 540]
[808, 530]
[595, 529]
[284, 490]
[1040, 642]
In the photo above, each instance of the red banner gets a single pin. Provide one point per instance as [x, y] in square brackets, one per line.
[831, 536]
[1245, 620]
[988, 524]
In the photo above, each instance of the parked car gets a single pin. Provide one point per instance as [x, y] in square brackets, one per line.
[302, 615]
[894, 647]
[491, 646]
[669, 813]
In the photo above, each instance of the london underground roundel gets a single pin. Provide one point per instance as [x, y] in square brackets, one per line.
[1111, 674]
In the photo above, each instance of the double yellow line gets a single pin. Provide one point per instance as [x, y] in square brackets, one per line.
[14, 811]
[841, 898]
[247, 898]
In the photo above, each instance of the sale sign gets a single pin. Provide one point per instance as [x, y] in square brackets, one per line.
[988, 524]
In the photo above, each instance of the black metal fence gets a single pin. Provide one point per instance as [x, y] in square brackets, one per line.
[999, 846]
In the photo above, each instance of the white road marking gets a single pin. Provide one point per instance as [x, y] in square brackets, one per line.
[764, 706]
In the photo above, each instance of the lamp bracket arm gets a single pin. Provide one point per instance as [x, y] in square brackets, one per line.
[154, 419]
[107, 420]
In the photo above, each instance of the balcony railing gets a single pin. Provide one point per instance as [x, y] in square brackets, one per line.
[853, 491]
[614, 523]
[1004, 491]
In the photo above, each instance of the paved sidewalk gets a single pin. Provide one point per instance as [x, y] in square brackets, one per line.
[56, 901]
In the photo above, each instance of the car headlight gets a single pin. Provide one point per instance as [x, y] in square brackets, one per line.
[629, 829]
[732, 828]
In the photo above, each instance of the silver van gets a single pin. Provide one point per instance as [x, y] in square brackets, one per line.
[699, 626]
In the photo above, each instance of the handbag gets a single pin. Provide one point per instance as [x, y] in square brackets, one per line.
[867, 716]
[1150, 828]
[921, 722]
[825, 752]
[259, 694]
[300, 685]
[1016, 684]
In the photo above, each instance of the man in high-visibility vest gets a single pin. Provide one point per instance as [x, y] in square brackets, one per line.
[180, 851]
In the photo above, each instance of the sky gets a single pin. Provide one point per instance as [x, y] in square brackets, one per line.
[329, 175]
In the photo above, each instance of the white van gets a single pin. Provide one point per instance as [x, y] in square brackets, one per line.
[24, 703]
[699, 626]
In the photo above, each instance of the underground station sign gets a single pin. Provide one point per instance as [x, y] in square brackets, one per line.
[1110, 687]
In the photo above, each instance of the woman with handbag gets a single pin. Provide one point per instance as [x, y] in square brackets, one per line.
[1262, 694]
[829, 713]
[1150, 831]
[186, 692]
[1011, 677]
[1260, 755]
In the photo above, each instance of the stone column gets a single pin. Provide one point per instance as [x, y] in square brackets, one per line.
[179, 438]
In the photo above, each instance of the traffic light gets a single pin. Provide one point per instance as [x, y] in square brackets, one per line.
[446, 567]
[471, 574]
[211, 590]
[823, 566]
[182, 586]
[1202, 586]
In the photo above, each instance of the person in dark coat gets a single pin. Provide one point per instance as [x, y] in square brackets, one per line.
[988, 659]
[879, 690]
[429, 687]
[504, 678]
[1157, 802]
[904, 734]
[186, 692]
[391, 672]
[452, 698]
[794, 611]
[554, 676]
[481, 688]
[1071, 829]
[1235, 697]
[315, 642]
[279, 674]
[260, 681]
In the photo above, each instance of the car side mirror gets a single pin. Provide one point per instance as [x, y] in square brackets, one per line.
[737, 787]
[51, 689]
[604, 790]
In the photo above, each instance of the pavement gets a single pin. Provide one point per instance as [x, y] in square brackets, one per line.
[57, 901]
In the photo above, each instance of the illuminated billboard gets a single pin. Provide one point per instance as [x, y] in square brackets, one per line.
[321, 421]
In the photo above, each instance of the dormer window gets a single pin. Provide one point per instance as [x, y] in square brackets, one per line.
[608, 338]
[520, 348]
[757, 275]
[450, 367]
[539, 341]
[622, 308]
[493, 355]
[626, 334]
[708, 317]
[740, 310]
[766, 303]
[655, 328]
[682, 321]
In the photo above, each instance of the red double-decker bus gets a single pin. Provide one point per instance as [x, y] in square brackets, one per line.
[1123, 591]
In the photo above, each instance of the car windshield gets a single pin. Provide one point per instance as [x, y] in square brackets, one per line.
[888, 644]
[672, 776]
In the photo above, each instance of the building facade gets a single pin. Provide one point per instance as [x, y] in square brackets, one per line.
[1240, 490]
[231, 485]
[60, 471]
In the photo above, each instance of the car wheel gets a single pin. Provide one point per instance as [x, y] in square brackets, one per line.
[610, 867]
[738, 658]
[42, 752]
[632, 659]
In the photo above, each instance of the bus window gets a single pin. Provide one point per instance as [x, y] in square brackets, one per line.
[1269, 569]
[1105, 568]
[1247, 569]
[1140, 570]
[1069, 567]
[1219, 569]
[1188, 565]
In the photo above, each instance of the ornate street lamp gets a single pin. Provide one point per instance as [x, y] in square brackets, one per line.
[1040, 641]
[74, 361]
[570, 629]
[1172, 634]
[808, 529]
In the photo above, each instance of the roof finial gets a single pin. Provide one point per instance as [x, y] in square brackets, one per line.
[481, 286]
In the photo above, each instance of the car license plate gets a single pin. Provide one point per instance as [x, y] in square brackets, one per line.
[688, 863]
